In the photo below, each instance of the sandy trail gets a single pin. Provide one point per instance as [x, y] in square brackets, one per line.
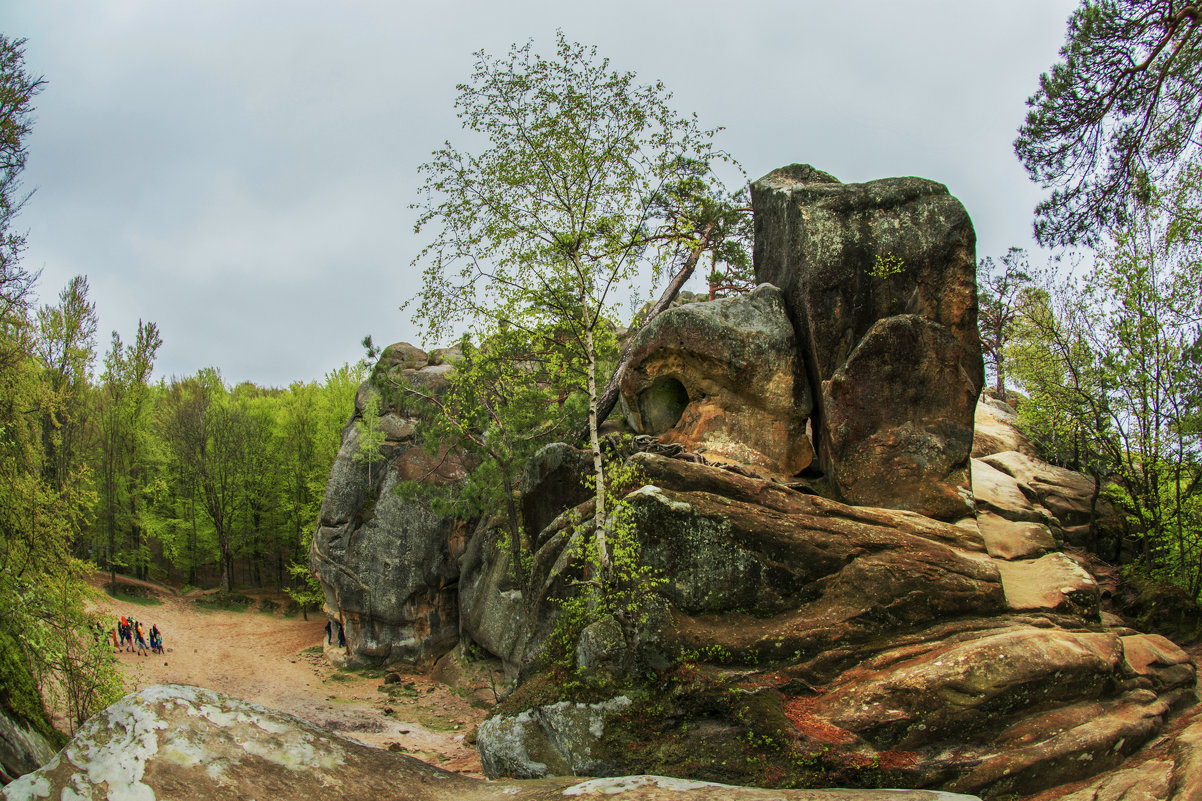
[278, 662]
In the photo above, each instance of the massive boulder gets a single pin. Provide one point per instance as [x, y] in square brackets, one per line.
[722, 378]
[880, 283]
[388, 564]
[174, 742]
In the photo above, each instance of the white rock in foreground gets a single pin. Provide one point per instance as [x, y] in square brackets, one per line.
[176, 742]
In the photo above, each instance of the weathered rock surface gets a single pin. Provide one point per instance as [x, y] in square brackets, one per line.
[898, 419]
[551, 740]
[1170, 771]
[1014, 539]
[1064, 495]
[174, 742]
[721, 378]
[868, 644]
[22, 748]
[819, 240]
[1053, 582]
[996, 428]
[388, 565]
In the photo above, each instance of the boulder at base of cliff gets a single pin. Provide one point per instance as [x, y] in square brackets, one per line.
[719, 378]
[388, 564]
[849, 257]
[172, 742]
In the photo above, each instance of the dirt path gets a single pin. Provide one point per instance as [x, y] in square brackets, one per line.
[278, 662]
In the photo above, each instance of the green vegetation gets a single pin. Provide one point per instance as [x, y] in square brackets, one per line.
[886, 265]
[1118, 115]
[224, 602]
[587, 179]
[1108, 354]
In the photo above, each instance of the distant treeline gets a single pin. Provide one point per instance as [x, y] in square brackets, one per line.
[187, 480]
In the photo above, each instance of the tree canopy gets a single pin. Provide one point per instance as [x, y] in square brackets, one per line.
[1119, 112]
[563, 203]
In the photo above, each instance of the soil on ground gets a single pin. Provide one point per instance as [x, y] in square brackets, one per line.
[283, 662]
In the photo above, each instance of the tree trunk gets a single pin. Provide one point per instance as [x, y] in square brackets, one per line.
[515, 529]
[609, 396]
[599, 518]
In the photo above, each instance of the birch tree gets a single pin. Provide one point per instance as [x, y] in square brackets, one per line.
[548, 221]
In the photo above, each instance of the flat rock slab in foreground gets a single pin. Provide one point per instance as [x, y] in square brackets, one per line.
[176, 742]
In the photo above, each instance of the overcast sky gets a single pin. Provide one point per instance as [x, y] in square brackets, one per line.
[240, 172]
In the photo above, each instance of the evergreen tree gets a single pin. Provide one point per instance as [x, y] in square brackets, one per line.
[1119, 112]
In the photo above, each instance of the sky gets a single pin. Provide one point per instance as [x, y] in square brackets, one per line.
[240, 172]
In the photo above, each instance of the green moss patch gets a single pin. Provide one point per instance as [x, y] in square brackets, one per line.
[19, 694]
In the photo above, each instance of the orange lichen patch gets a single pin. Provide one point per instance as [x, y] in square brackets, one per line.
[897, 760]
[813, 727]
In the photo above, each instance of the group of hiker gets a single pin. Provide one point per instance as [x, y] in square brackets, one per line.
[129, 635]
[335, 626]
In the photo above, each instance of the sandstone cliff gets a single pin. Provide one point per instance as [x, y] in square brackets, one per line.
[865, 579]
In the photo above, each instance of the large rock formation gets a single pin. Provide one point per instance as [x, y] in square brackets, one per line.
[893, 357]
[911, 620]
[721, 378]
[174, 742]
[853, 645]
[387, 564]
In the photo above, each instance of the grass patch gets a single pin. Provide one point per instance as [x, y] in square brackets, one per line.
[313, 649]
[224, 602]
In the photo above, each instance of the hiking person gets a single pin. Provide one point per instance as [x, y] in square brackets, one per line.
[329, 632]
[142, 649]
[341, 635]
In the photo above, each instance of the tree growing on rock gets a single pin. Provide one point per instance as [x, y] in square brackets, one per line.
[541, 227]
[999, 294]
[1111, 360]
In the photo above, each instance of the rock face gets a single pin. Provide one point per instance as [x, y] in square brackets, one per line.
[387, 565]
[721, 378]
[26, 733]
[866, 645]
[173, 742]
[22, 748]
[909, 618]
[895, 361]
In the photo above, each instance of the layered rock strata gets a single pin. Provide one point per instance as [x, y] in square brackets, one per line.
[173, 742]
[865, 644]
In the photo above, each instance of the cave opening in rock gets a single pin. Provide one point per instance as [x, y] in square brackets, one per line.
[662, 404]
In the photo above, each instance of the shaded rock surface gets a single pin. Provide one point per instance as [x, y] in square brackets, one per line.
[22, 747]
[174, 742]
[721, 378]
[819, 241]
[388, 565]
